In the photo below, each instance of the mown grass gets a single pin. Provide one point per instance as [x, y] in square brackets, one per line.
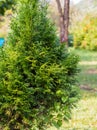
[88, 69]
[88, 76]
[85, 55]
[84, 117]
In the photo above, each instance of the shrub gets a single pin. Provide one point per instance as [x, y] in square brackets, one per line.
[70, 40]
[85, 36]
[5, 5]
[37, 76]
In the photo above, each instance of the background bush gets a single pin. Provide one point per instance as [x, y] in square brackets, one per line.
[37, 75]
[5, 5]
[85, 36]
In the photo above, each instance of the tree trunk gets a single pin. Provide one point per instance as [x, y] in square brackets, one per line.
[64, 20]
[62, 29]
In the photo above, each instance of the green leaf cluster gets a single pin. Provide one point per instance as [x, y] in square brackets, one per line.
[37, 75]
[5, 5]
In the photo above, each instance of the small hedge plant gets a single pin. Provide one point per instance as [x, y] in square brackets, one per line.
[37, 76]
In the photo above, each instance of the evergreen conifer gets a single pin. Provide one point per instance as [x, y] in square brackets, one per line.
[37, 75]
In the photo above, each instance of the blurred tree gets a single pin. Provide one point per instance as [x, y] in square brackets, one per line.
[64, 20]
[5, 5]
[85, 36]
[53, 13]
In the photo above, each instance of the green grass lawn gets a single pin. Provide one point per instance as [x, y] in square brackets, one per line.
[85, 55]
[88, 76]
[84, 116]
[88, 69]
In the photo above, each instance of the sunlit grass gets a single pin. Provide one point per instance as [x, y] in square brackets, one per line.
[88, 68]
[86, 55]
[88, 76]
[84, 117]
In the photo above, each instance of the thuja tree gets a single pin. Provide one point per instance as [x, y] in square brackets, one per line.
[37, 75]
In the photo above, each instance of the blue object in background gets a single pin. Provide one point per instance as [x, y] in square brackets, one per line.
[2, 42]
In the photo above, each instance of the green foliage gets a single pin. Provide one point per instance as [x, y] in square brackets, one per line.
[85, 36]
[6, 4]
[70, 40]
[37, 76]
